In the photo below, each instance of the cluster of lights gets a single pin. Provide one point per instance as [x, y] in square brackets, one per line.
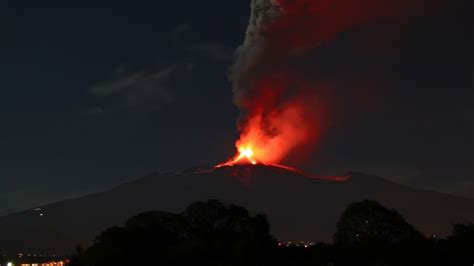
[41, 214]
[54, 263]
[300, 244]
[59, 263]
[14, 262]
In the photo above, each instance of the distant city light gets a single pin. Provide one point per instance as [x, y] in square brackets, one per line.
[53, 263]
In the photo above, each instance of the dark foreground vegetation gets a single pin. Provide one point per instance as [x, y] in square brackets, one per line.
[213, 233]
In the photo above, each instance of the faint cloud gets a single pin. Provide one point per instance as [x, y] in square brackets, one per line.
[121, 69]
[216, 51]
[190, 66]
[93, 111]
[117, 86]
[180, 29]
[137, 90]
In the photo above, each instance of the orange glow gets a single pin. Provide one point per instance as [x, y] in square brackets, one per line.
[245, 156]
[272, 128]
[267, 140]
[287, 104]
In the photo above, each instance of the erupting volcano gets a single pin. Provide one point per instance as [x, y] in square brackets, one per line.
[266, 138]
[282, 110]
[286, 102]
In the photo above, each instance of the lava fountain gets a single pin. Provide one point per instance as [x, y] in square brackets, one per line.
[268, 135]
[244, 156]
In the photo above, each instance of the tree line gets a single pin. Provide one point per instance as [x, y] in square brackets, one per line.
[217, 234]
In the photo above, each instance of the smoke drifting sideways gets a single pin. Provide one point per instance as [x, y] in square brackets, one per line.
[286, 107]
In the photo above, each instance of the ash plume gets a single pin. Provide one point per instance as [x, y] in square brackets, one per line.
[285, 103]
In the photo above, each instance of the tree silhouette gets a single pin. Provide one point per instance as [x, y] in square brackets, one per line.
[459, 247]
[213, 233]
[222, 232]
[368, 222]
[207, 233]
[463, 233]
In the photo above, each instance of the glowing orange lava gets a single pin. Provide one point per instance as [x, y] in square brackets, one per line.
[245, 156]
[267, 137]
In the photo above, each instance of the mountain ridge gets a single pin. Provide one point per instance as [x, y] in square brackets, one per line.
[298, 207]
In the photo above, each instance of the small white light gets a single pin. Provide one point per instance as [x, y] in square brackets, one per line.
[9, 264]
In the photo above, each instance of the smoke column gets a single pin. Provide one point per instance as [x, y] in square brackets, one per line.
[285, 105]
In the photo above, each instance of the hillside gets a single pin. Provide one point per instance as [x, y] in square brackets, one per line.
[299, 208]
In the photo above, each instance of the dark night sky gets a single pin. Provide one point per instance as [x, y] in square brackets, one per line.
[92, 96]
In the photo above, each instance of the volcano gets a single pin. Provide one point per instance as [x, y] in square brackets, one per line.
[299, 208]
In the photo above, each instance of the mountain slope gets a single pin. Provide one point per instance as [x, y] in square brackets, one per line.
[299, 208]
